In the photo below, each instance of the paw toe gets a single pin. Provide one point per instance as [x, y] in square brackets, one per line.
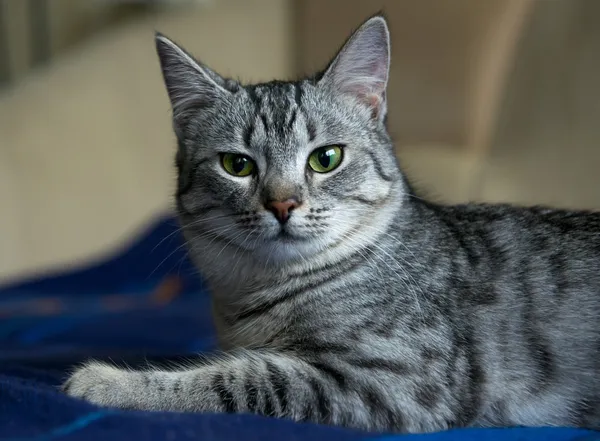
[95, 382]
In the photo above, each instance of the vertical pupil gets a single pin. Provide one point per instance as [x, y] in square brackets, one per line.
[325, 157]
[238, 164]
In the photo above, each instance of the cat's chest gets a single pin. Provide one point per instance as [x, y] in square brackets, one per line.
[247, 333]
[258, 324]
[233, 329]
[276, 310]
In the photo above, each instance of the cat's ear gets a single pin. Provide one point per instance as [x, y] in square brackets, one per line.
[191, 86]
[361, 67]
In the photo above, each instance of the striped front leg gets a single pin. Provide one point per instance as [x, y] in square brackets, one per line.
[256, 382]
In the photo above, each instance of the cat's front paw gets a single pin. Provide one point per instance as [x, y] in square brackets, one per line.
[98, 383]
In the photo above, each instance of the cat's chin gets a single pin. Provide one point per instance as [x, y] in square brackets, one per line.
[287, 249]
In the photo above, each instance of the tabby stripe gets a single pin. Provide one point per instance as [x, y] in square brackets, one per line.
[269, 408]
[253, 95]
[348, 263]
[226, 397]
[586, 413]
[292, 120]
[298, 94]
[428, 395]
[311, 129]
[393, 367]
[263, 118]
[262, 308]
[338, 377]
[362, 200]
[473, 257]
[280, 117]
[378, 168]
[313, 347]
[378, 407]
[539, 348]
[183, 190]
[321, 403]
[200, 211]
[265, 307]
[453, 361]
[177, 386]
[343, 268]
[308, 412]
[248, 133]
[475, 378]
[558, 269]
[280, 386]
[251, 395]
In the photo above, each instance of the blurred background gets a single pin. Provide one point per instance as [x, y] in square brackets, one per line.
[490, 100]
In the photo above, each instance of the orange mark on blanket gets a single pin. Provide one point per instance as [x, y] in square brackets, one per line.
[168, 290]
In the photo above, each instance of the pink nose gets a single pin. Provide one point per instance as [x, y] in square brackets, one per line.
[282, 210]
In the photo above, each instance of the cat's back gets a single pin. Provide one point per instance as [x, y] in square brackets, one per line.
[535, 229]
[553, 253]
[538, 270]
[528, 264]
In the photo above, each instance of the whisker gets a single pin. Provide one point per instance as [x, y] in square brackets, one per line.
[186, 243]
[188, 225]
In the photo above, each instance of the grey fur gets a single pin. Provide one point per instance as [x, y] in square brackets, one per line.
[378, 310]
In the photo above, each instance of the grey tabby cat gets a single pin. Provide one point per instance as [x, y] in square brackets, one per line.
[342, 298]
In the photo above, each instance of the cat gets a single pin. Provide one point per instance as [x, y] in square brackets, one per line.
[342, 298]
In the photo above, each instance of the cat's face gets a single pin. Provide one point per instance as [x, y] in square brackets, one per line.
[283, 170]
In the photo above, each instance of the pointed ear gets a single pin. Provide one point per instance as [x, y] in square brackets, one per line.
[190, 85]
[361, 67]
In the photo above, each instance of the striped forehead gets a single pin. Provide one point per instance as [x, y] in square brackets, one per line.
[277, 117]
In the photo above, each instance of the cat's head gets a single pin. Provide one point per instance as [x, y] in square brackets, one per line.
[283, 170]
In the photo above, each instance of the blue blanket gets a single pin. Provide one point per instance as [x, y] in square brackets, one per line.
[146, 303]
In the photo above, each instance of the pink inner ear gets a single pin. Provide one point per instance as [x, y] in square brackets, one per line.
[370, 99]
[374, 102]
[363, 77]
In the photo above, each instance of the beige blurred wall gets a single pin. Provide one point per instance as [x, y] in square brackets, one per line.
[546, 145]
[68, 23]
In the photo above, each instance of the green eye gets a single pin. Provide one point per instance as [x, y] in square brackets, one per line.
[325, 159]
[237, 165]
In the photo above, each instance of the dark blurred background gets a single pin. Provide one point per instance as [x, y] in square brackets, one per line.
[495, 100]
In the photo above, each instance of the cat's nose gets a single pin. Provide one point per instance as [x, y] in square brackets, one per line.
[282, 209]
